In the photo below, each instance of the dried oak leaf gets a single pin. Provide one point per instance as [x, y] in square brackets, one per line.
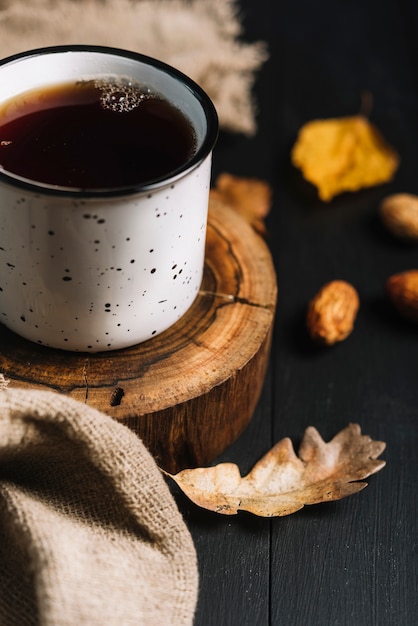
[281, 482]
[343, 154]
[250, 197]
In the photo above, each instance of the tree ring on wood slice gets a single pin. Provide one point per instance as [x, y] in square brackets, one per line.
[191, 391]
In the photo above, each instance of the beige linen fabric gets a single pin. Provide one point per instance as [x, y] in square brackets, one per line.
[199, 37]
[89, 531]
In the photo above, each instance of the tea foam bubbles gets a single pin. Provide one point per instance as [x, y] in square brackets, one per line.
[122, 97]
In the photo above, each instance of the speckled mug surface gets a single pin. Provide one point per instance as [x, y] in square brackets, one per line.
[103, 269]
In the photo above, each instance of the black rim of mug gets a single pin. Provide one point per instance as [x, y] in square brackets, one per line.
[197, 158]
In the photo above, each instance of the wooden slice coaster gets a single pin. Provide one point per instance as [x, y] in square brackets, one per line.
[189, 392]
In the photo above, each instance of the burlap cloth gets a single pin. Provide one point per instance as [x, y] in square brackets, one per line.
[200, 37]
[89, 532]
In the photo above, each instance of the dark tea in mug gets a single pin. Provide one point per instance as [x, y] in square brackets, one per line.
[93, 134]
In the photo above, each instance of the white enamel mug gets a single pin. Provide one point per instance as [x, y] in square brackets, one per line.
[103, 269]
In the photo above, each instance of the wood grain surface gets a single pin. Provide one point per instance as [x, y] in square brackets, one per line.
[352, 562]
[189, 392]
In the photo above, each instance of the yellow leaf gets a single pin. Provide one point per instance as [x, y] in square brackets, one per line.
[281, 482]
[343, 154]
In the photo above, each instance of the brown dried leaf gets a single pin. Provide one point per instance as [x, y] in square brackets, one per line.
[281, 482]
[343, 154]
[250, 197]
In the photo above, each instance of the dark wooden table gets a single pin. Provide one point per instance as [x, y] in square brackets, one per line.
[351, 562]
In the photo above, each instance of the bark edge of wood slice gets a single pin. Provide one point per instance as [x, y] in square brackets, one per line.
[191, 391]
